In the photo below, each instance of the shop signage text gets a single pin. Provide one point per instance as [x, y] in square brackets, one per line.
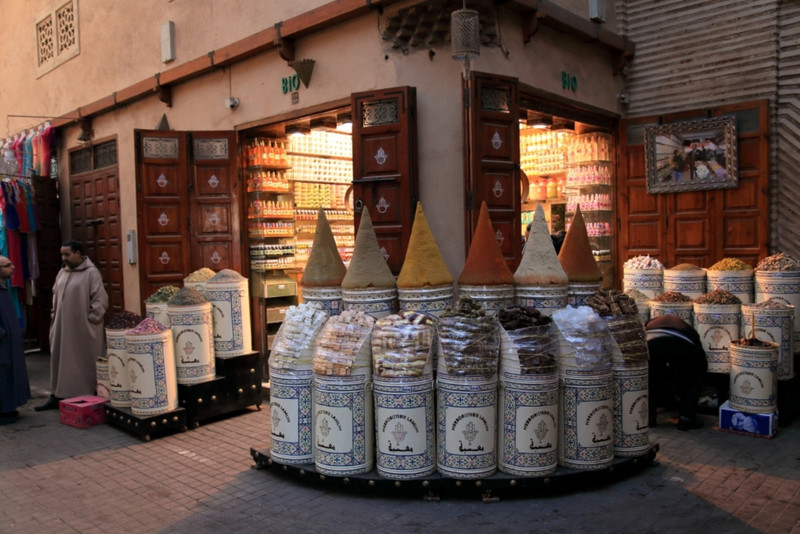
[290, 83]
[569, 81]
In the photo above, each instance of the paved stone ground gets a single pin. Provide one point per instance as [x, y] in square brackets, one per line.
[59, 479]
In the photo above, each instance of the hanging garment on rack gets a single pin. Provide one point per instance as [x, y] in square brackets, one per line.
[47, 141]
[21, 206]
[30, 205]
[27, 155]
[19, 147]
[33, 258]
[36, 146]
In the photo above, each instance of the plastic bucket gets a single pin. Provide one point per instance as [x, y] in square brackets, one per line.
[290, 407]
[546, 299]
[579, 293]
[157, 311]
[466, 416]
[329, 297]
[344, 427]
[230, 308]
[528, 415]
[492, 298]
[740, 283]
[648, 281]
[193, 336]
[690, 282]
[585, 419]
[377, 302]
[754, 378]
[151, 369]
[404, 427]
[782, 286]
[118, 382]
[717, 325]
[430, 300]
[775, 325]
[684, 310]
[631, 415]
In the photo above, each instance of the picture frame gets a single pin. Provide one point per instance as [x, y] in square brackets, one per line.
[694, 155]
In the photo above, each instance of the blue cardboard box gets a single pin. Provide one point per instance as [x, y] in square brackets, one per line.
[753, 424]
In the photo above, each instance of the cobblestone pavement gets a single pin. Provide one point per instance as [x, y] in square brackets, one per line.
[58, 479]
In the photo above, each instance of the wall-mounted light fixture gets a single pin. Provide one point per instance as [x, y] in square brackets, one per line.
[86, 130]
[292, 130]
[303, 68]
[465, 36]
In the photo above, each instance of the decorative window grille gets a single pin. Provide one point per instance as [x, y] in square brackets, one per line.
[57, 37]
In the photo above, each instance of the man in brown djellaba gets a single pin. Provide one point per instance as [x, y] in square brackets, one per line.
[76, 329]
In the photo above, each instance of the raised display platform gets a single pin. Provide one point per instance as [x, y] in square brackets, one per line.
[146, 426]
[237, 386]
[435, 486]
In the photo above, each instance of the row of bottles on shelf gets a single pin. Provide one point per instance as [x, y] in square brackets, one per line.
[596, 229]
[331, 215]
[589, 175]
[265, 257]
[323, 142]
[270, 228]
[589, 147]
[270, 208]
[544, 188]
[267, 181]
[264, 151]
[545, 162]
[310, 194]
[285, 209]
[305, 168]
[591, 202]
[546, 152]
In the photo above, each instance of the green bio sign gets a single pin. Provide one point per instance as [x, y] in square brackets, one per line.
[569, 81]
[290, 83]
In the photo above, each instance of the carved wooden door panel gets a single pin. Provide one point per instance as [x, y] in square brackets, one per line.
[94, 198]
[385, 166]
[162, 197]
[493, 175]
[699, 227]
[188, 205]
[215, 198]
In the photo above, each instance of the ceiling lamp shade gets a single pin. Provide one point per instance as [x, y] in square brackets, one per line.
[292, 130]
[465, 34]
[542, 123]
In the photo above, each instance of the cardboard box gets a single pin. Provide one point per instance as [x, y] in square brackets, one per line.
[82, 412]
[752, 424]
[276, 315]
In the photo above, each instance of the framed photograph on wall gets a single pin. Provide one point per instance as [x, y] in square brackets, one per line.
[691, 155]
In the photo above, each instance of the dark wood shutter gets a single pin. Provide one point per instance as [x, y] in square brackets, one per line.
[94, 198]
[492, 160]
[162, 208]
[215, 202]
[699, 227]
[188, 205]
[385, 166]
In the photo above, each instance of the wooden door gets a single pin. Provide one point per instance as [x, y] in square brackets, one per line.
[48, 246]
[188, 196]
[385, 166]
[94, 199]
[699, 227]
[215, 198]
[492, 139]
